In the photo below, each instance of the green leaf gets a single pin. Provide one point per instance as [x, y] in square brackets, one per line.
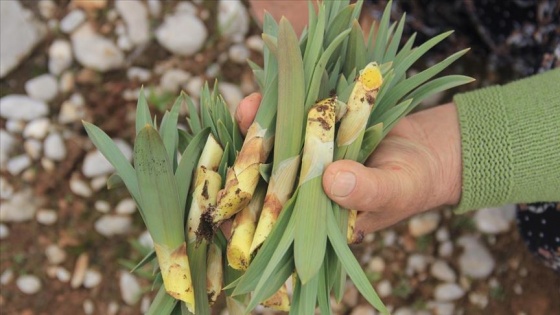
[184, 139]
[381, 36]
[143, 116]
[148, 258]
[194, 121]
[222, 168]
[314, 45]
[339, 24]
[308, 295]
[265, 170]
[271, 43]
[395, 41]
[372, 138]
[163, 303]
[114, 181]
[323, 290]
[356, 52]
[169, 135]
[197, 262]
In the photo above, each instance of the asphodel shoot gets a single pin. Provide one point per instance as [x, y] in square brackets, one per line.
[214, 273]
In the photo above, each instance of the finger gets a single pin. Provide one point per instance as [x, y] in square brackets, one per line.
[355, 186]
[246, 111]
[368, 222]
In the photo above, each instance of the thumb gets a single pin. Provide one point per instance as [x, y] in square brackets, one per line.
[355, 186]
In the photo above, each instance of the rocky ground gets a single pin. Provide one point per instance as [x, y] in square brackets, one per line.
[67, 243]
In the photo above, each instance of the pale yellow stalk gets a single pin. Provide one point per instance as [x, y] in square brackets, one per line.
[214, 273]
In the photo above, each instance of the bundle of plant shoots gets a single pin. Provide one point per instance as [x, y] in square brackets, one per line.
[332, 93]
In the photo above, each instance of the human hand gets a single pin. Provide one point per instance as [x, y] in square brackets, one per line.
[417, 167]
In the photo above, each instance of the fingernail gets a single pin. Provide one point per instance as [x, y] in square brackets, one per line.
[239, 115]
[343, 184]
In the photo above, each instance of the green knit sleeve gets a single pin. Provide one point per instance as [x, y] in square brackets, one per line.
[510, 137]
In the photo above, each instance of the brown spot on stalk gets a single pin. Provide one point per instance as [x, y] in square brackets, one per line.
[272, 202]
[211, 295]
[358, 237]
[206, 228]
[324, 124]
[370, 99]
[204, 192]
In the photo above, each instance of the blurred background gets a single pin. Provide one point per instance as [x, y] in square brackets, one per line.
[67, 243]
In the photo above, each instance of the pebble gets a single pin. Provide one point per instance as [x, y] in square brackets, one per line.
[446, 292]
[232, 95]
[43, 87]
[445, 249]
[135, 16]
[194, 86]
[33, 148]
[478, 299]
[109, 225]
[173, 79]
[213, 70]
[126, 206]
[442, 234]
[47, 164]
[138, 74]
[363, 310]
[47, 216]
[95, 51]
[80, 269]
[22, 107]
[62, 274]
[7, 276]
[47, 8]
[66, 83]
[18, 163]
[55, 254]
[4, 231]
[28, 284]
[60, 56]
[88, 306]
[376, 264]
[255, 42]
[145, 304]
[403, 311]
[350, 296]
[233, 20]
[95, 164]
[15, 126]
[131, 292]
[124, 43]
[20, 32]
[54, 147]
[21, 207]
[154, 7]
[416, 263]
[70, 113]
[518, 289]
[90, 5]
[92, 279]
[186, 7]
[102, 206]
[442, 308]
[80, 187]
[494, 220]
[37, 128]
[6, 189]
[145, 239]
[423, 224]
[239, 53]
[98, 182]
[171, 34]
[475, 261]
[72, 20]
[384, 288]
[6, 146]
[442, 271]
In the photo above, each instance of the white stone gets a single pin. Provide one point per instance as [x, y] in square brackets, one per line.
[145, 304]
[363, 310]
[376, 264]
[445, 249]
[28, 284]
[43, 87]
[80, 187]
[478, 299]
[475, 261]
[89, 307]
[389, 238]
[446, 292]
[72, 20]
[98, 182]
[416, 263]
[37, 128]
[131, 292]
[384, 288]
[255, 42]
[102, 206]
[233, 20]
[4, 231]
[20, 32]
[92, 279]
[494, 220]
[7, 143]
[66, 83]
[442, 234]
[22, 107]
[33, 148]
[95, 51]
[213, 70]
[194, 86]
[442, 308]
[135, 16]
[124, 43]
[55, 254]
[7, 276]
[232, 95]
[442, 271]
[109, 225]
[60, 56]
[186, 7]
[154, 6]
[182, 33]
[47, 216]
[47, 164]
[47, 8]
[95, 163]
[238, 53]
[18, 164]
[20, 208]
[6, 189]
[173, 79]
[62, 274]
[145, 239]
[423, 224]
[113, 308]
[126, 206]
[403, 311]
[54, 147]
[15, 126]
[72, 110]
[138, 74]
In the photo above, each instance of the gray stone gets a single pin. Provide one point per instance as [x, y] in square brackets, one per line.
[173, 79]
[22, 107]
[138, 74]
[20, 208]
[494, 220]
[20, 32]
[15, 126]
[213, 70]
[446, 292]
[145, 239]
[194, 86]
[475, 261]
[442, 271]
[442, 308]
[55, 254]
[154, 6]
[6, 146]
[423, 224]
[6, 189]
[47, 216]
[4, 231]
[445, 249]
[18, 164]
[72, 20]
[88, 307]
[92, 279]
[416, 263]
[29, 284]
[43, 87]
[233, 20]
[54, 147]
[232, 95]
[126, 206]
[60, 56]
[95, 163]
[37, 128]
[95, 51]
[478, 299]
[182, 33]
[131, 292]
[109, 225]
[62, 274]
[384, 288]
[238, 53]
[135, 16]
[47, 8]
[7, 276]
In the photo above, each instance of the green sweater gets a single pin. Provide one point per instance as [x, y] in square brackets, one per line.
[510, 138]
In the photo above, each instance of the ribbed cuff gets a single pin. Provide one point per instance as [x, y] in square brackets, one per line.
[510, 137]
